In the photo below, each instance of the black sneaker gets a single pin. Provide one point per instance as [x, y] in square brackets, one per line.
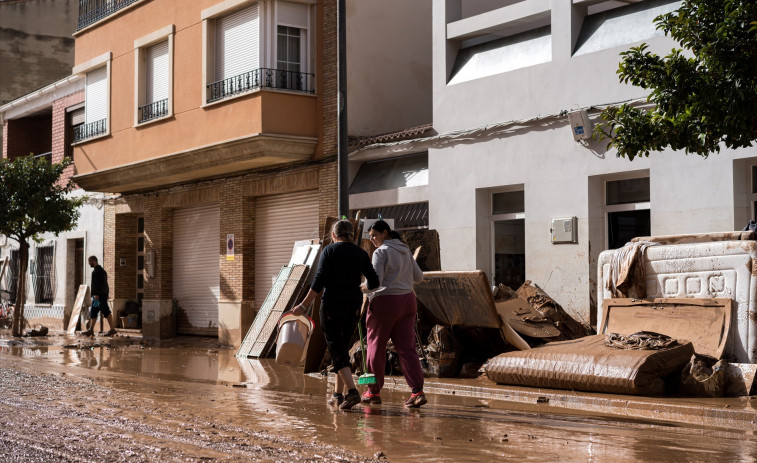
[112, 332]
[88, 333]
[350, 400]
[336, 399]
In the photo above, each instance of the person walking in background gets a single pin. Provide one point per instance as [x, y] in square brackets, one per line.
[339, 274]
[392, 313]
[100, 293]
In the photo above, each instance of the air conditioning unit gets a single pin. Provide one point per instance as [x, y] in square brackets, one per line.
[580, 125]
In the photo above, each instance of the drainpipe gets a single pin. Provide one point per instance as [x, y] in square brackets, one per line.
[343, 178]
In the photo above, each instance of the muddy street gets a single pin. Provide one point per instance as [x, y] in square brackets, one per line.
[68, 399]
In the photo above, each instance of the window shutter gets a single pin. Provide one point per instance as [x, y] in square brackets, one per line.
[96, 97]
[237, 43]
[77, 116]
[293, 14]
[156, 73]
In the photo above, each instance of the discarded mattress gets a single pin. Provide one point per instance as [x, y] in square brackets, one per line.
[587, 364]
[713, 269]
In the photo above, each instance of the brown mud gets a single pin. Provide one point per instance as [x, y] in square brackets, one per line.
[120, 399]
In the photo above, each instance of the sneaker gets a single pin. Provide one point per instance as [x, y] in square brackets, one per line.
[112, 332]
[350, 400]
[88, 333]
[336, 399]
[371, 398]
[416, 400]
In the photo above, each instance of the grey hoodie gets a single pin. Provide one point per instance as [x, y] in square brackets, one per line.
[396, 269]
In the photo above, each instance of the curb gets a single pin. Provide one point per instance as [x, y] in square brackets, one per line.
[737, 413]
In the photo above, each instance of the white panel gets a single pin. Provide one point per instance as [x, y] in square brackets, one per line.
[237, 43]
[96, 98]
[281, 220]
[293, 14]
[196, 269]
[156, 73]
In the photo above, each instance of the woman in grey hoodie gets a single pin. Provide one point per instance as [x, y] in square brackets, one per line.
[392, 313]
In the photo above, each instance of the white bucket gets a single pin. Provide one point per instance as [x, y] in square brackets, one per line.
[292, 340]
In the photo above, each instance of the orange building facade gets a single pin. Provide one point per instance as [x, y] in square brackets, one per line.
[216, 123]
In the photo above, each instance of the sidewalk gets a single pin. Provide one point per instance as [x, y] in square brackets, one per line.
[733, 413]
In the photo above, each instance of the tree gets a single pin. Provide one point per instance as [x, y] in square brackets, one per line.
[33, 201]
[704, 96]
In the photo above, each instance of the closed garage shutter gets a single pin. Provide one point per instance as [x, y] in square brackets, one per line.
[196, 273]
[281, 220]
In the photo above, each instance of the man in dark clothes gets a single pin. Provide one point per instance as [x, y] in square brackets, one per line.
[100, 293]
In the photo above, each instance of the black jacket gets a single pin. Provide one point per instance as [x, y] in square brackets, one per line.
[100, 282]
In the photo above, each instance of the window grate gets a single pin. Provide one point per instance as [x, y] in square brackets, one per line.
[410, 216]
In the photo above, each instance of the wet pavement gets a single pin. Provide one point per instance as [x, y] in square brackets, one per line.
[68, 398]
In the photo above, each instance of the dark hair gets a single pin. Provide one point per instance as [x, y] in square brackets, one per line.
[381, 226]
[343, 229]
[93, 258]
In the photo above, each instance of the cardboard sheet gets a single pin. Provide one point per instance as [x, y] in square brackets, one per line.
[518, 312]
[704, 322]
[458, 298]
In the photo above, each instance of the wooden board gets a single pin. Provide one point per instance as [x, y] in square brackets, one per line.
[82, 298]
[704, 322]
[516, 312]
[458, 298]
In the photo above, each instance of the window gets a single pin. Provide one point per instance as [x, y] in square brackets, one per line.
[96, 98]
[74, 120]
[153, 56]
[42, 273]
[11, 278]
[242, 55]
[509, 238]
[627, 207]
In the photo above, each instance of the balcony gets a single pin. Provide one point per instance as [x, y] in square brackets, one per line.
[153, 111]
[260, 78]
[93, 129]
[91, 11]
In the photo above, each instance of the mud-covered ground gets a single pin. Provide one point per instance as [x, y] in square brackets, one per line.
[66, 398]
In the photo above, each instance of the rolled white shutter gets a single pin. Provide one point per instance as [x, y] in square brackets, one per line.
[293, 14]
[281, 220]
[156, 72]
[96, 95]
[196, 268]
[237, 43]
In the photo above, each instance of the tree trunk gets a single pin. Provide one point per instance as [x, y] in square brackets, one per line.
[23, 264]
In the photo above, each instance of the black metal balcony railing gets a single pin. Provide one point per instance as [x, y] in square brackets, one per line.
[93, 129]
[91, 11]
[261, 78]
[153, 110]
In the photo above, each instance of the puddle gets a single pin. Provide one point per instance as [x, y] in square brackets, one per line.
[264, 396]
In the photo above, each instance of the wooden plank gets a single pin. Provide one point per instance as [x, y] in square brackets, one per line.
[82, 298]
[517, 312]
[260, 319]
[289, 294]
[704, 322]
[458, 298]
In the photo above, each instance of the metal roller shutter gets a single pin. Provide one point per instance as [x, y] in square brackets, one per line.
[293, 14]
[96, 96]
[156, 72]
[237, 43]
[196, 269]
[281, 220]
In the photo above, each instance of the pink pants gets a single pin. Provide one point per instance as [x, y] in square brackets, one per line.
[393, 317]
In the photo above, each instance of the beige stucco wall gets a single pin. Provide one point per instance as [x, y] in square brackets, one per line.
[192, 124]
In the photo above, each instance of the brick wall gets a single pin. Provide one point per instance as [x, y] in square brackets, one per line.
[328, 90]
[125, 246]
[60, 139]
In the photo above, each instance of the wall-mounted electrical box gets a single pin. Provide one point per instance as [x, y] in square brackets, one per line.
[564, 230]
[580, 125]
